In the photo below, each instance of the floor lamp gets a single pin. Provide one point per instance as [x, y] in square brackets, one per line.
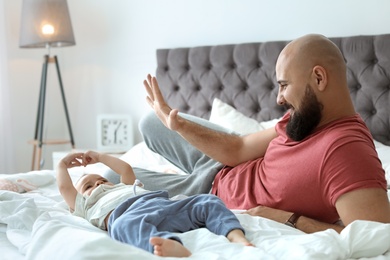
[46, 24]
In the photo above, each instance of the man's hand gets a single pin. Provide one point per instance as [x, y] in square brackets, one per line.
[168, 116]
[270, 213]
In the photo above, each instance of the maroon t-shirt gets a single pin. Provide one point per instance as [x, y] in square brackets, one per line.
[308, 176]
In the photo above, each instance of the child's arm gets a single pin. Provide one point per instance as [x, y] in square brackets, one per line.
[117, 165]
[64, 181]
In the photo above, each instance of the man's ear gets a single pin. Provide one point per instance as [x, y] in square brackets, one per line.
[320, 77]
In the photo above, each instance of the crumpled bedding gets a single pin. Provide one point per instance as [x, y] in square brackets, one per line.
[38, 225]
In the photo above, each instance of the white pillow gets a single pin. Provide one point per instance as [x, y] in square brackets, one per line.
[142, 157]
[384, 155]
[22, 182]
[227, 116]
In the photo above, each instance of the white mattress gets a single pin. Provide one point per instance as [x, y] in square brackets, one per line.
[37, 225]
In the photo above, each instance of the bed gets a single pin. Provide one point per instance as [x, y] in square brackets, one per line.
[233, 86]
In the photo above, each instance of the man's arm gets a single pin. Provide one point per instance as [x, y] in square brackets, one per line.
[117, 165]
[223, 147]
[303, 223]
[363, 204]
[64, 181]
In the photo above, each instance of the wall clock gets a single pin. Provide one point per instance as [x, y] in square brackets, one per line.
[114, 133]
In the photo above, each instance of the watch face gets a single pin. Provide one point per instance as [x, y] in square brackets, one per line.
[288, 223]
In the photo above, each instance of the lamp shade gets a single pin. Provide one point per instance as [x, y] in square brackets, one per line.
[45, 23]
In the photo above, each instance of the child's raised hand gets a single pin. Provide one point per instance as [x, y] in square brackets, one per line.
[91, 157]
[73, 160]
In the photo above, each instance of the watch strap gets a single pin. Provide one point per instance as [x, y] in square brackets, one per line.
[292, 221]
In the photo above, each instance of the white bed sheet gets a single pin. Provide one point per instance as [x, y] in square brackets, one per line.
[37, 225]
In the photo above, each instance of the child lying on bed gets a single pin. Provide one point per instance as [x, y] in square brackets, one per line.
[137, 216]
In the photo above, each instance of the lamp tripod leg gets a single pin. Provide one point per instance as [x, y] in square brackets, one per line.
[64, 102]
[38, 136]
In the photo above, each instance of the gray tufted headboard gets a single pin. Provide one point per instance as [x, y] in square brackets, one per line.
[243, 75]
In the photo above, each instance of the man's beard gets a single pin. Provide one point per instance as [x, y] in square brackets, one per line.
[303, 122]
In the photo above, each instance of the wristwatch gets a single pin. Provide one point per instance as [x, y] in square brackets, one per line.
[292, 221]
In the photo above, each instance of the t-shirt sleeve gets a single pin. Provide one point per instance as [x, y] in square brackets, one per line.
[351, 165]
[79, 206]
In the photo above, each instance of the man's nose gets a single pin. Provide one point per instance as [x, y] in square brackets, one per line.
[280, 99]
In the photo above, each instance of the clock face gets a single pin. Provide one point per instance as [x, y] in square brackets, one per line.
[114, 132]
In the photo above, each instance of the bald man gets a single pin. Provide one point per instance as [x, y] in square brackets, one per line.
[317, 169]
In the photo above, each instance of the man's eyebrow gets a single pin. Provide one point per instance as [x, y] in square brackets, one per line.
[280, 82]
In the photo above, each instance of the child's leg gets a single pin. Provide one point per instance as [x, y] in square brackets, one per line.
[211, 210]
[238, 236]
[135, 224]
[168, 247]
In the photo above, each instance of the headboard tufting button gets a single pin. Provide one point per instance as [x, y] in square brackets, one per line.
[198, 88]
[358, 86]
[373, 112]
[222, 87]
[176, 88]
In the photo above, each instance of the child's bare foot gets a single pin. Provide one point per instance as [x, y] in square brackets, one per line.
[237, 236]
[168, 247]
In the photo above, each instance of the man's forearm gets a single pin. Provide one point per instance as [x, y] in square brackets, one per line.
[309, 225]
[217, 145]
[303, 223]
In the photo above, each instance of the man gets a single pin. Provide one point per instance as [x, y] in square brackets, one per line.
[317, 168]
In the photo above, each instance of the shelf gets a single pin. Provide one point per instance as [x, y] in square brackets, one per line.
[49, 142]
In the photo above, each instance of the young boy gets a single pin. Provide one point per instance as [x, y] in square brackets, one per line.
[137, 216]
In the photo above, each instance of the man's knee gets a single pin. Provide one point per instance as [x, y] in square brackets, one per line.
[148, 124]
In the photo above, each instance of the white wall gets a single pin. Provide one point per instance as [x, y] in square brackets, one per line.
[115, 49]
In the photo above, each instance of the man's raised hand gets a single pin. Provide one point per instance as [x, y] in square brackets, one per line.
[168, 116]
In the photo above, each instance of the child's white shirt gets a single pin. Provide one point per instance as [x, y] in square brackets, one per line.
[102, 201]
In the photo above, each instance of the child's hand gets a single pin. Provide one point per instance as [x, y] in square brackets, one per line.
[73, 160]
[91, 157]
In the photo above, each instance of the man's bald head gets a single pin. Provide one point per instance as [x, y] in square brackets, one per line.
[310, 50]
